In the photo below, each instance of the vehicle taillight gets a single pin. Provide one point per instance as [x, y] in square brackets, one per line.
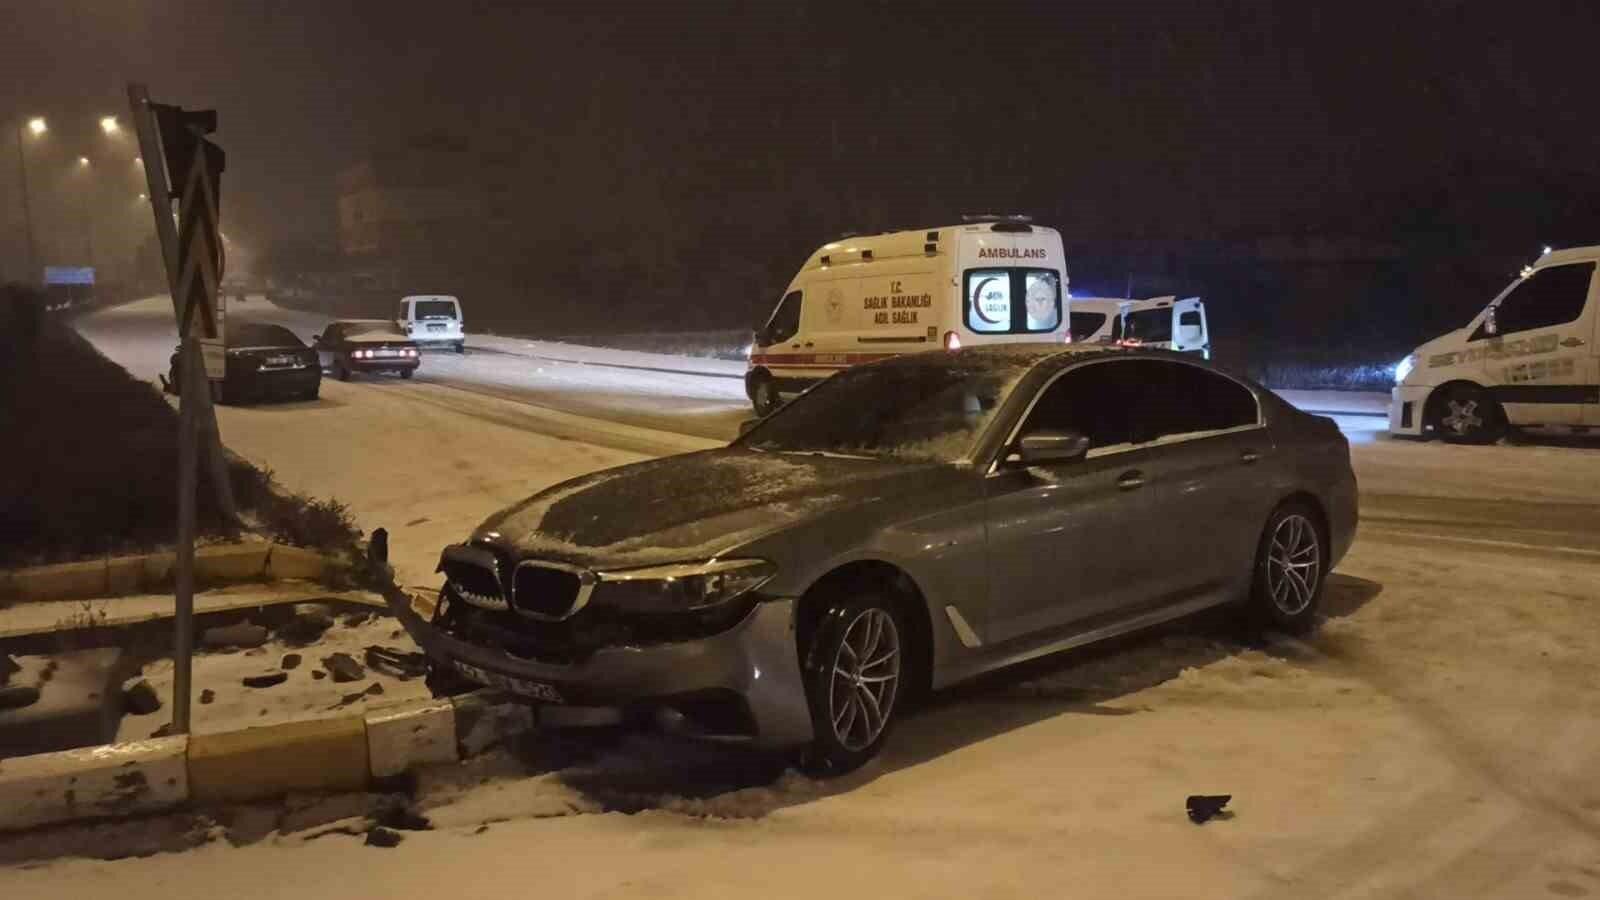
[952, 341]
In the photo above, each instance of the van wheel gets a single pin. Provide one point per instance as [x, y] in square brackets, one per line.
[853, 670]
[764, 396]
[1466, 414]
[461, 347]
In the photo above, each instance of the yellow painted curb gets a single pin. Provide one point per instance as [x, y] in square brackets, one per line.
[122, 575]
[319, 755]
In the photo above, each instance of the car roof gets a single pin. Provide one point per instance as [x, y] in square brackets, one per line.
[1006, 355]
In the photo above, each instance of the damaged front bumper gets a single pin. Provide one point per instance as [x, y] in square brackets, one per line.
[688, 684]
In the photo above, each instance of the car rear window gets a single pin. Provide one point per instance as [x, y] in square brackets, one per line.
[1012, 300]
[255, 334]
[435, 309]
[1150, 326]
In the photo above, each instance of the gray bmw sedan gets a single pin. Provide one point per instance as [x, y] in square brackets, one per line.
[901, 526]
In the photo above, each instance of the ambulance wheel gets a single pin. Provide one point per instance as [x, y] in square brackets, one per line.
[1466, 414]
[764, 396]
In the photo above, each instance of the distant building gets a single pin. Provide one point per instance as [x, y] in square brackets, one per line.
[436, 197]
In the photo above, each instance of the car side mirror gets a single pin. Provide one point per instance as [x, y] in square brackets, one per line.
[747, 425]
[1045, 447]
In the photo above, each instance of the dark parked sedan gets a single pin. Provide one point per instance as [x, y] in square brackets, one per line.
[263, 361]
[901, 526]
[366, 345]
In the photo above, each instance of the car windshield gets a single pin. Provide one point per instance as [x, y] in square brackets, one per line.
[435, 309]
[254, 334]
[917, 412]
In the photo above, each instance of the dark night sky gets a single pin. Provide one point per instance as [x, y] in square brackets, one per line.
[1138, 118]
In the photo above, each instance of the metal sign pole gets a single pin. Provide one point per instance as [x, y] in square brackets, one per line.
[194, 392]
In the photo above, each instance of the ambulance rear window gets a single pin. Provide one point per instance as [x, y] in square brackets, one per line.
[1012, 300]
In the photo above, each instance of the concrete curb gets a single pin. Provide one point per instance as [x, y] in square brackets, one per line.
[120, 575]
[340, 754]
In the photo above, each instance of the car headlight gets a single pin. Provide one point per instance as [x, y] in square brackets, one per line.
[682, 586]
[1403, 368]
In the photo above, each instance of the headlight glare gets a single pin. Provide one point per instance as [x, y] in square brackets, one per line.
[683, 586]
[1403, 368]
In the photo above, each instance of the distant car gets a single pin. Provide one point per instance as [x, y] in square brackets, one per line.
[433, 320]
[263, 362]
[901, 526]
[366, 345]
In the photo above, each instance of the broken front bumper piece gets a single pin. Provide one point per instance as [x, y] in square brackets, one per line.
[742, 683]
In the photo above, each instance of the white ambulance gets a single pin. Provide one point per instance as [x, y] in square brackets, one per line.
[864, 298]
[1165, 323]
[1530, 358]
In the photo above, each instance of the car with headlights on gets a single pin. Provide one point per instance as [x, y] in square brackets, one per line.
[366, 345]
[263, 362]
[901, 526]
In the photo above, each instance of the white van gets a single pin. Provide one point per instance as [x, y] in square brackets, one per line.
[433, 320]
[1530, 358]
[865, 298]
[1165, 323]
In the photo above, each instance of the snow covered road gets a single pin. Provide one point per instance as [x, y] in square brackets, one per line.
[1436, 738]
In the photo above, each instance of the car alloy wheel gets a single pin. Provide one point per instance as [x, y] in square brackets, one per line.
[1294, 564]
[866, 679]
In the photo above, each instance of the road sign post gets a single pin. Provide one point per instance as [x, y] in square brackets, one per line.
[172, 143]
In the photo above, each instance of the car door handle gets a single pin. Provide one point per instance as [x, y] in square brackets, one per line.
[1572, 342]
[1131, 480]
[1249, 456]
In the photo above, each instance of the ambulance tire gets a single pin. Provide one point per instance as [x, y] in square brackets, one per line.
[764, 398]
[1467, 414]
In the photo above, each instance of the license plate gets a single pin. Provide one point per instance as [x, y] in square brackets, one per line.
[281, 361]
[534, 690]
[435, 327]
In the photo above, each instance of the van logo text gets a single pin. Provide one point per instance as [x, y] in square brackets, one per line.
[1010, 253]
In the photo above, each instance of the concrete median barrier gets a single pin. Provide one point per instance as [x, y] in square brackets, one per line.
[122, 575]
[319, 755]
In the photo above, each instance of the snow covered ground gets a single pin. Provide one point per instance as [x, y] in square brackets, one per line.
[1436, 738]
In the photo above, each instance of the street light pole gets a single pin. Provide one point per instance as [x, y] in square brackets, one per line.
[27, 211]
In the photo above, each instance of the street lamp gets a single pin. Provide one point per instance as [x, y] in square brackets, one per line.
[37, 127]
[109, 125]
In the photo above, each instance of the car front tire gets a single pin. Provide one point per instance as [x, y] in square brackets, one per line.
[855, 675]
[407, 373]
[1291, 569]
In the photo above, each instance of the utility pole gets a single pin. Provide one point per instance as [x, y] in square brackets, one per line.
[27, 211]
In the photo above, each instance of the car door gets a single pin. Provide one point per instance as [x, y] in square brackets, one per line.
[327, 345]
[1070, 542]
[1215, 448]
[1536, 347]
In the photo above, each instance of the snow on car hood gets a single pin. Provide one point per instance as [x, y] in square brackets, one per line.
[687, 507]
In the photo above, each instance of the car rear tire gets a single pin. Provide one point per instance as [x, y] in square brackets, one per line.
[764, 397]
[855, 668]
[1467, 414]
[407, 373]
[1291, 568]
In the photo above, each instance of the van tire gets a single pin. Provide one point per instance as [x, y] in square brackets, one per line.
[461, 346]
[764, 397]
[1467, 414]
